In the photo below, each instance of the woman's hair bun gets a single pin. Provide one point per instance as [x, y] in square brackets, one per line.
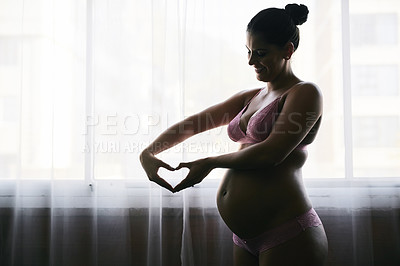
[298, 13]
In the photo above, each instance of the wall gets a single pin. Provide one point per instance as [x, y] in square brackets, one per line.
[120, 237]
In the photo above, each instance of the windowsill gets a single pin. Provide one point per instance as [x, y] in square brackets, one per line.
[324, 193]
[353, 182]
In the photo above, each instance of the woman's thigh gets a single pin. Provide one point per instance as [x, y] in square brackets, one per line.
[308, 248]
[242, 257]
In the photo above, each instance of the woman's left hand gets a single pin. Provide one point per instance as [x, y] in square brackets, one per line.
[198, 170]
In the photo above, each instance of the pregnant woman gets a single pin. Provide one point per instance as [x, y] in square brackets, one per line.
[261, 198]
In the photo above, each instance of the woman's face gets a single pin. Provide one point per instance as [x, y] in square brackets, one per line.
[267, 59]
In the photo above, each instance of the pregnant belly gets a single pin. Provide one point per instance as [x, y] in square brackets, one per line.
[252, 202]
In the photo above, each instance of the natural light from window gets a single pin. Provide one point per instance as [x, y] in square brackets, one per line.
[83, 90]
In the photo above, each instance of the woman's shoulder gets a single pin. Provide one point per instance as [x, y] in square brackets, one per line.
[301, 95]
[236, 102]
[305, 88]
[249, 94]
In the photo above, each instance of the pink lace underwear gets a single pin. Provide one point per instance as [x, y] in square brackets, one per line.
[280, 234]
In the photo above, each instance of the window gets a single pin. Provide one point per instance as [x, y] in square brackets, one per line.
[376, 141]
[375, 88]
[86, 85]
[375, 80]
[376, 132]
[374, 29]
[42, 89]
[9, 51]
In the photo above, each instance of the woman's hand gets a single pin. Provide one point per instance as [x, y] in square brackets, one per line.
[151, 165]
[199, 169]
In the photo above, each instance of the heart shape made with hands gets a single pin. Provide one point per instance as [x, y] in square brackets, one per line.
[173, 177]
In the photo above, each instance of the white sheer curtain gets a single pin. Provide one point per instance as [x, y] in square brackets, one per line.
[86, 85]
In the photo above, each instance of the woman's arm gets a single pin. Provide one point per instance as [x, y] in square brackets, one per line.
[300, 112]
[212, 117]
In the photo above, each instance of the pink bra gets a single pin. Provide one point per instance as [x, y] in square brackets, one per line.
[259, 125]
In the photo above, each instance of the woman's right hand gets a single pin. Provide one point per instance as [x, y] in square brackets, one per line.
[151, 164]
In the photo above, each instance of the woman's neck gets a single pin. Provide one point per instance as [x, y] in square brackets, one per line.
[283, 81]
